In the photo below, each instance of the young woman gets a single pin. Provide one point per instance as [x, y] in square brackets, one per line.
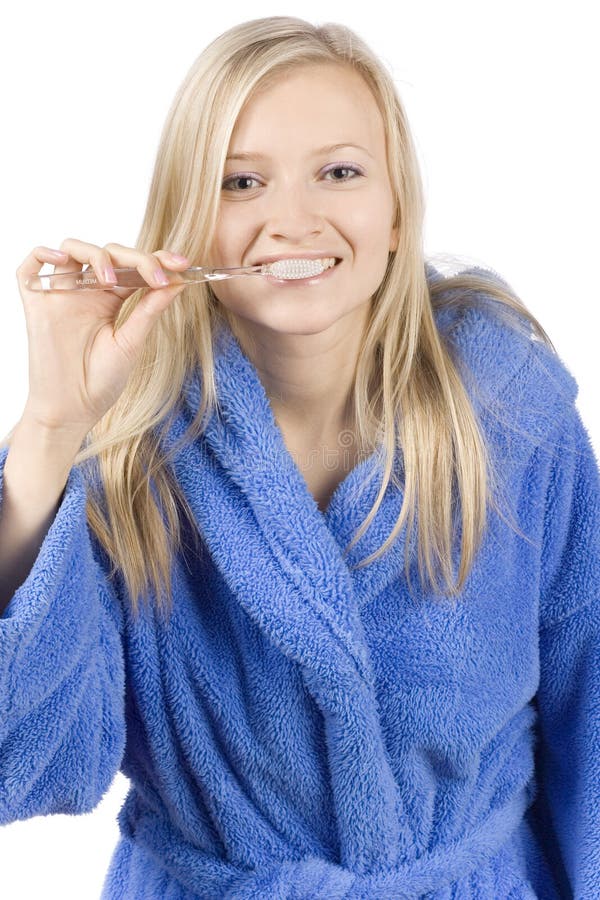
[314, 562]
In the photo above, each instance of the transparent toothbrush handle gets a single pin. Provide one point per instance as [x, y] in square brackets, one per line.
[126, 278]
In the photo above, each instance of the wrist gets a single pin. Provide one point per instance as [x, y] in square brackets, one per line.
[62, 437]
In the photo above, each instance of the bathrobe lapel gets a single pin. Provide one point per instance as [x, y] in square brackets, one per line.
[282, 559]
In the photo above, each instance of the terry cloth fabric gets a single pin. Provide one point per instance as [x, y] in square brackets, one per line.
[304, 729]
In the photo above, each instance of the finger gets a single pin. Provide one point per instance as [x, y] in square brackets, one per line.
[102, 260]
[170, 260]
[133, 332]
[80, 253]
[151, 266]
[34, 262]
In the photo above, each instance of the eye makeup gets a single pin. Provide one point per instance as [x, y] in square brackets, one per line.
[352, 167]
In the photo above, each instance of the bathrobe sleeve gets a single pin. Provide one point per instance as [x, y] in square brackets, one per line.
[62, 727]
[568, 696]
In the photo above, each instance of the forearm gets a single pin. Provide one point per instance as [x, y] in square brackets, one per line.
[35, 474]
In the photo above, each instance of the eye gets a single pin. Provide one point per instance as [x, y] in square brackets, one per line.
[340, 168]
[336, 167]
[228, 181]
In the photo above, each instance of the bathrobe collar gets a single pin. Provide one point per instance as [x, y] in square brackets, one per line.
[267, 503]
[263, 526]
[282, 560]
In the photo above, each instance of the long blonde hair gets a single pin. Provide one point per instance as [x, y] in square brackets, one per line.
[408, 392]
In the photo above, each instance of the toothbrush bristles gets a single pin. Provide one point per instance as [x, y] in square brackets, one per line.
[297, 268]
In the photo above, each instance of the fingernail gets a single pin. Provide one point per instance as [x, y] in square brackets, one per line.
[177, 257]
[109, 274]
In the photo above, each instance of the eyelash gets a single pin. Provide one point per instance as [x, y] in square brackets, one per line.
[332, 168]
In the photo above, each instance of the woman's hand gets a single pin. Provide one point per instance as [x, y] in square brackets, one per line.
[78, 364]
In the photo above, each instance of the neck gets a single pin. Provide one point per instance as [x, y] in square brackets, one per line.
[308, 378]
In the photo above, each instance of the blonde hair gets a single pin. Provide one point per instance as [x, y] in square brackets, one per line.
[408, 394]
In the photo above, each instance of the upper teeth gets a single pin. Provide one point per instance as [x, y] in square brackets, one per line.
[298, 267]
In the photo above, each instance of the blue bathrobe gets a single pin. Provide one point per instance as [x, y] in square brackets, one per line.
[300, 728]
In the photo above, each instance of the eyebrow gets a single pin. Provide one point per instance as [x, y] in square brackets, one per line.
[328, 148]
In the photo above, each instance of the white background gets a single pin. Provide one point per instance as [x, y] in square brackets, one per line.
[502, 100]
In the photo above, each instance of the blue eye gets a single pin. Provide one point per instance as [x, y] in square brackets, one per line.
[336, 167]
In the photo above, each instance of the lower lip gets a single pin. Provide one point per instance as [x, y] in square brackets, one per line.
[312, 279]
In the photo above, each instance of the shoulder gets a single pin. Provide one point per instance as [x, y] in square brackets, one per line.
[505, 366]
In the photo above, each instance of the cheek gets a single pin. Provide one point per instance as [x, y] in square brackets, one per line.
[227, 238]
[367, 223]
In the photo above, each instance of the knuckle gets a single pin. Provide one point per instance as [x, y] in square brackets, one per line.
[24, 264]
[99, 261]
[155, 257]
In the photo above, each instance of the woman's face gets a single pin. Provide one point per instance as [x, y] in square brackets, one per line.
[289, 196]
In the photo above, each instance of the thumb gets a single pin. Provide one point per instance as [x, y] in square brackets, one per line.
[131, 335]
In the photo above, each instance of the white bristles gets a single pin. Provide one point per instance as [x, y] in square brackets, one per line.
[297, 268]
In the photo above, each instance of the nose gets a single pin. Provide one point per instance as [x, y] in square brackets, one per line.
[294, 214]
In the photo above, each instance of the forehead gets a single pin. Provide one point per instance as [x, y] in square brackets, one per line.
[312, 105]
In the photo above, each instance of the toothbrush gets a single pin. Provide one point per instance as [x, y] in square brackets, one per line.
[131, 278]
